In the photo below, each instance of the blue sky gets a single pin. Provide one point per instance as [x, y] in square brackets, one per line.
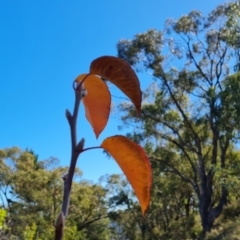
[45, 45]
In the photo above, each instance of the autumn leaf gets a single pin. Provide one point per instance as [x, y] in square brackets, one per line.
[134, 163]
[121, 74]
[96, 102]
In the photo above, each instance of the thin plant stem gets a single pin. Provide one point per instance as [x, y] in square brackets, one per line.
[76, 149]
[89, 148]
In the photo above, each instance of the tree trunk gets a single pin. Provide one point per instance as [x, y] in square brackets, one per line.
[209, 214]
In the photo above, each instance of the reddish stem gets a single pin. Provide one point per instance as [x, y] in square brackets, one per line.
[76, 149]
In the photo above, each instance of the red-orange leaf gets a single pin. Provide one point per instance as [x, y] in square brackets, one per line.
[121, 74]
[97, 102]
[135, 165]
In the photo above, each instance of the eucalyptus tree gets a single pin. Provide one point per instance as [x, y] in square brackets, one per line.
[190, 118]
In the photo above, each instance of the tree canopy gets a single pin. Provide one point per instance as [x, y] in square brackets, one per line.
[190, 119]
[31, 193]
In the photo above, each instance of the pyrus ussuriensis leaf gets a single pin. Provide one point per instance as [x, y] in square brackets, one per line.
[96, 102]
[134, 163]
[121, 74]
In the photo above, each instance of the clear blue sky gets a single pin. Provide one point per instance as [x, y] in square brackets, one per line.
[45, 45]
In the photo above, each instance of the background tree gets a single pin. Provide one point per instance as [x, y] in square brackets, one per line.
[31, 194]
[190, 121]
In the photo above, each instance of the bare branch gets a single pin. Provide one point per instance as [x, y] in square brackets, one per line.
[197, 139]
[86, 223]
[185, 179]
[195, 62]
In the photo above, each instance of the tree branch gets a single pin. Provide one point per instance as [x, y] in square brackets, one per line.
[197, 139]
[179, 145]
[85, 224]
[195, 62]
[185, 179]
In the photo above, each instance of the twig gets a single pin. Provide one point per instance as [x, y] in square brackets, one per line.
[77, 148]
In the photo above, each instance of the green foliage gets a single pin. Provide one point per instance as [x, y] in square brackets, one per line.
[3, 225]
[190, 123]
[29, 232]
[3, 214]
[31, 194]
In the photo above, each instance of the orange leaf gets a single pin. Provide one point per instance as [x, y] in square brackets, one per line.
[96, 103]
[135, 165]
[121, 74]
